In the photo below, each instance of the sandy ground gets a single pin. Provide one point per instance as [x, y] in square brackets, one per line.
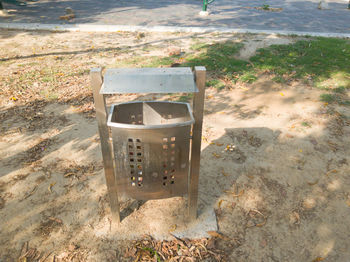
[280, 194]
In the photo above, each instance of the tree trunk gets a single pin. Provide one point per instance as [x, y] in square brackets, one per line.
[1, 7]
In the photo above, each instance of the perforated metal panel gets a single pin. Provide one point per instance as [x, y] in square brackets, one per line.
[151, 143]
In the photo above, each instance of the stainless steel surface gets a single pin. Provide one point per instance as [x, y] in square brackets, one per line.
[151, 143]
[151, 153]
[148, 80]
[150, 115]
[198, 105]
[106, 146]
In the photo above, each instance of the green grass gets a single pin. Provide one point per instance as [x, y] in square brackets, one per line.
[334, 98]
[306, 124]
[279, 79]
[198, 46]
[324, 62]
[327, 98]
[153, 253]
[184, 97]
[318, 60]
[266, 7]
[344, 102]
[248, 77]
[216, 83]
[218, 58]
[340, 89]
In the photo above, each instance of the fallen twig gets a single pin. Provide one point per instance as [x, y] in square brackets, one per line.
[260, 224]
[69, 174]
[45, 257]
[218, 235]
[234, 193]
[30, 193]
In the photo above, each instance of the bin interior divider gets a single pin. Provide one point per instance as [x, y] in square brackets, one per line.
[151, 113]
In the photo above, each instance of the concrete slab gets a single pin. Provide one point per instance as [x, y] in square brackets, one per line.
[118, 28]
[160, 219]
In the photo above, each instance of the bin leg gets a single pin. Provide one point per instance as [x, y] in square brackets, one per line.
[106, 145]
[198, 107]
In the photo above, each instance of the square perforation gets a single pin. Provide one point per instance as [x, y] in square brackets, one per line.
[168, 160]
[132, 152]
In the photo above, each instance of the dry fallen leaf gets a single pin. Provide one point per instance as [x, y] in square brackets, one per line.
[216, 155]
[138, 257]
[313, 183]
[295, 218]
[173, 228]
[234, 194]
[219, 144]
[220, 202]
[223, 172]
[68, 174]
[317, 259]
[348, 202]
[260, 224]
[59, 221]
[218, 235]
[50, 186]
[72, 247]
[334, 147]
[30, 193]
[331, 171]
[205, 139]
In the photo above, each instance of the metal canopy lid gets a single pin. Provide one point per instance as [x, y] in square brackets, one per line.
[148, 80]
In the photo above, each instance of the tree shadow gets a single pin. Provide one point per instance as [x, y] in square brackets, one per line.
[263, 186]
[302, 59]
[261, 170]
[96, 50]
[89, 11]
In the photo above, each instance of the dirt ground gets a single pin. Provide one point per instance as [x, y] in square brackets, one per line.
[275, 160]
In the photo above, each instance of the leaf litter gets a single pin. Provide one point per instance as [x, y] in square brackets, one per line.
[149, 249]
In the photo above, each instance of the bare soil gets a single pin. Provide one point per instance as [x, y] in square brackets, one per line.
[275, 160]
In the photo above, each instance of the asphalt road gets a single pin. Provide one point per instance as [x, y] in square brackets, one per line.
[296, 15]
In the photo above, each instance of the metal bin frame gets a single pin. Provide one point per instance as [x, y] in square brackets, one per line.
[153, 80]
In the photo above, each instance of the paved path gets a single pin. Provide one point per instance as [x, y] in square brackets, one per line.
[297, 15]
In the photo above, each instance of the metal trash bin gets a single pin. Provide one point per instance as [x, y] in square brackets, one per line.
[151, 149]
[151, 143]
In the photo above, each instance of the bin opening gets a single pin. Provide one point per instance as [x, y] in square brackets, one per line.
[151, 113]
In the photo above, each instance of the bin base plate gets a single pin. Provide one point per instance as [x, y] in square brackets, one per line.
[157, 218]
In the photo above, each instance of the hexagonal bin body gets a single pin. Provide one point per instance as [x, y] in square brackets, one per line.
[151, 144]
